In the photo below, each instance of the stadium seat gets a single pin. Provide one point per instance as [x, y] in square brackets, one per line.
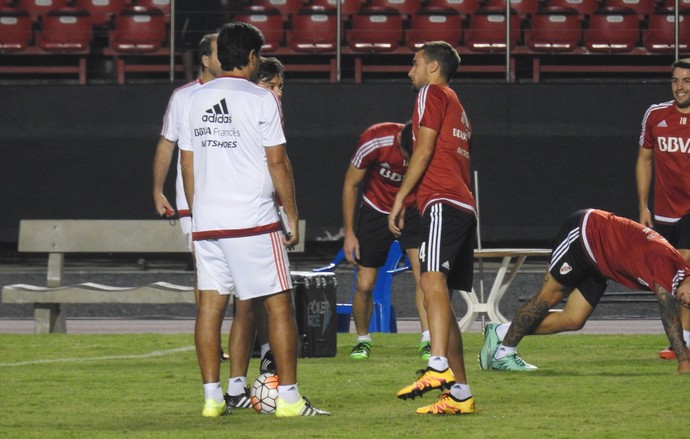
[138, 29]
[269, 21]
[487, 30]
[347, 7]
[314, 30]
[15, 30]
[554, 29]
[102, 11]
[612, 30]
[464, 7]
[65, 30]
[682, 4]
[163, 5]
[584, 7]
[525, 8]
[405, 7]
[644, 8]
[375, 29]
[38, 8]
[434, 23]
[660, 36]
[287, 8]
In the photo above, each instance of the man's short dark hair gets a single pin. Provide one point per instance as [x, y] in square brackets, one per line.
[205, 44]
[406, 141]
[445, 55]
[269, 68]
[236, 41]
[682, 63]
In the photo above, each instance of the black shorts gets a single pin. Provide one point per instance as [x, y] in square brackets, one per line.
[571, 266]
[678, 234]
[375, 238]
[448, 244]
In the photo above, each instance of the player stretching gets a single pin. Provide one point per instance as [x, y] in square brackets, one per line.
[592, 247]
[233, 161]
[440, 171]
[378, 165]
[665, 142]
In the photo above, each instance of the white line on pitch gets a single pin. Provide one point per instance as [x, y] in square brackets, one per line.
[109, 357]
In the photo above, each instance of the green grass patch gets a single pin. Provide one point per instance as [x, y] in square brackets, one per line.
[148, 386]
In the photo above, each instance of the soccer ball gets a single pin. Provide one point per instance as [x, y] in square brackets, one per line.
[264, 393]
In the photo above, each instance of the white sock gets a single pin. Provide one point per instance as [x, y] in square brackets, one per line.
[426, 336]
[361, 338]
[503, 351]
[236, 385]
[438, 363]
[265, 348]
[289, 394]
[686, 337]
[213, 391]
[502, 330]
[460, 391]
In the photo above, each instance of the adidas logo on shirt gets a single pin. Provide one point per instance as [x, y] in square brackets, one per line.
[662, 124]
[218, 113]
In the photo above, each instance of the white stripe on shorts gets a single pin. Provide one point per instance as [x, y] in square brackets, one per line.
[434, 239]
[563, 247]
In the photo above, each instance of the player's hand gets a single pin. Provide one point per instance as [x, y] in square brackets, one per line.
[646, 218]
[163, 207]
[396, 219]
[351, 249]
[290, 241]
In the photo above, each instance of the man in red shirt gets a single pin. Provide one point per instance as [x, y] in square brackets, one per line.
[665, 143]
[439, 176]
[378, 165]
[592, 247]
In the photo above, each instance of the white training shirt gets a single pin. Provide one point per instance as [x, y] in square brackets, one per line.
[230, 122]
[171, 131]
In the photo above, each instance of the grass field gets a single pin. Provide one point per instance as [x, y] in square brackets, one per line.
[148, 386]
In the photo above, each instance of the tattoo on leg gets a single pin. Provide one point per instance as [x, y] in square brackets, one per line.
[670, 318]
[526, 320]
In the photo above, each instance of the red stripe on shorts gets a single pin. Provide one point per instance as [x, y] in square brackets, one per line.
[279, 258]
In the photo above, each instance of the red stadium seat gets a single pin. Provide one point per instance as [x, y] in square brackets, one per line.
[660, 36]
[525, 8]
[163, 5]
[682, 4]
[314, 30]
[65, 30]
[434, 23]
[584, 7]
[612, 30]
[287, 8]
[102, 11]
[644, 8]
[15, 30]
[405, 7]
[375, 30]
[138, 29]
[347, 7]
[464, 7]
[554, 29]
[38, 8]
[487, 30]
[268, 21]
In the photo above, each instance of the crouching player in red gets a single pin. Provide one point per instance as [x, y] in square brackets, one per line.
[592, 247]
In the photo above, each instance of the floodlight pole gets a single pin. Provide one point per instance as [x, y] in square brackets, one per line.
[171, 73]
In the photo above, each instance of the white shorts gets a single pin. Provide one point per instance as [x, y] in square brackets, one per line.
[186, 224]
[248, 267]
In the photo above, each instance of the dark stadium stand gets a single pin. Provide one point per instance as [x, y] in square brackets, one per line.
[566, 38]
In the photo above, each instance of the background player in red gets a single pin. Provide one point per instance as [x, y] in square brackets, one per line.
[440, 171]
[592, 247]
[665, 144]
[378, 165]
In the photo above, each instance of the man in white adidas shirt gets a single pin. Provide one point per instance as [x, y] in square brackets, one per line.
[233, 161]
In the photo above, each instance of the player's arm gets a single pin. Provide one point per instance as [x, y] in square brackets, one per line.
[670, 318]
[161, 165]
[353, 178]
[425, 144]
[280, 169]
[187, 168]
[643, 173]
